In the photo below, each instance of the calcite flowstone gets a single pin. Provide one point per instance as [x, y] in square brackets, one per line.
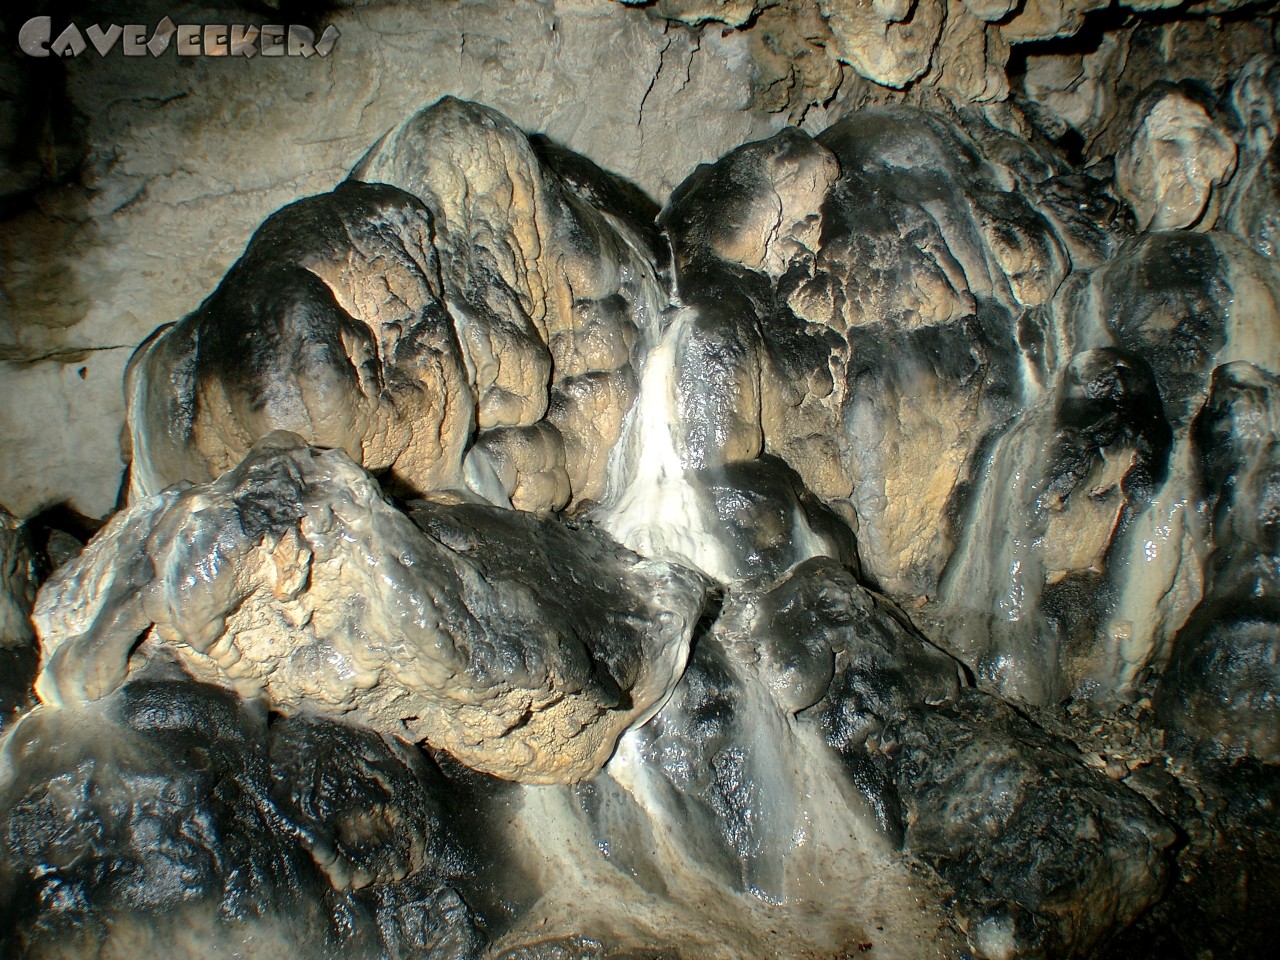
[1173, 170]
[172, 819]
[331, 325]
[472, 329]
[550, 278]
[856, 301]
[523, 647]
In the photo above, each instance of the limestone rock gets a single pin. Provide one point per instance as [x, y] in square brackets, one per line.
[550, 285]
[881, 42]
[1046, 855]
[970, 62]
[1090, 221]
[521, 646]
[89, 262]
[990, 10]
[880, 670]
[1046, 19]
[1188, 302]
[1078, 90]
[1225, 898]
[1174, 169]
[1220, 691]
[795, 71]
[170, 819]
[330, 325]
[733, 12]
[19, 577]
[1222, 687]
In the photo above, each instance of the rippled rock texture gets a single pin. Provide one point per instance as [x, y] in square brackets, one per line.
[523, 647]
[872, 551]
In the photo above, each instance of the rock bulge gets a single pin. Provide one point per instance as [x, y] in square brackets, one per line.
[896, 502]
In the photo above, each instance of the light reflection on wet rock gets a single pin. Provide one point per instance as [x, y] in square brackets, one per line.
[874, 550]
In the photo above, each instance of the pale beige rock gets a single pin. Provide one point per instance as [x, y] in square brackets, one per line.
[530, 463]
[181, 165]
[1082, 527]
[732, 12]
[332, 325]
[589, 411]
[521, 646]
[1173, 170]
[448, 287]
[545, 288]
[774, 228]
[1078, 89]
[990, 10]
[770, 223]
[971, 58]
[1046, 19]
[796, 74]
[478, 174]
[892, 53]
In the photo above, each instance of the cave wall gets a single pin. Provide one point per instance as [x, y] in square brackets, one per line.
[111, 165]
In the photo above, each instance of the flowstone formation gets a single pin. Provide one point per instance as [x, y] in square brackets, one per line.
[873, 551]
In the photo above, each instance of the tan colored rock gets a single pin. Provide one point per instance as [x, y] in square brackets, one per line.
[795, 71]
[394, 324]
[885, 392]
[1078, 89]
[521, 646]
[1046, 19]
[972, 57]
[1173, 170]
[1082, 527]
[733, 12]
[754, 214]
[589, 411]
[549, 277]
[530, 463]
[888, 51]
[990, 10]
[478, 174]
[331, 325]
[771, 220]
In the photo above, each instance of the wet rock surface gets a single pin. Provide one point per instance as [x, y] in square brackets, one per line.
[171, 817]
[870, 550]
[522, 646]
[1046, 856]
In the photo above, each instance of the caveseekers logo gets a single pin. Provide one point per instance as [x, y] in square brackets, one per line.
[36, 38]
